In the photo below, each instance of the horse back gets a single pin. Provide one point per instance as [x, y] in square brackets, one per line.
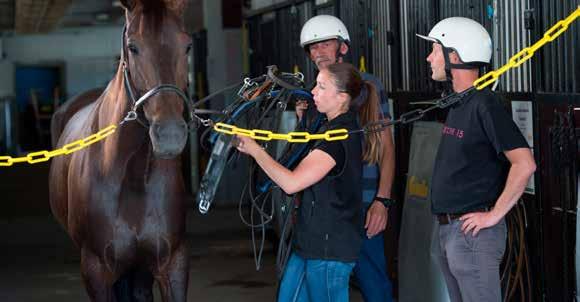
[69, 109]
[69, 123]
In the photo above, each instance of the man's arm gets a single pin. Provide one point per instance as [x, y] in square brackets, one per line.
[522, 168]
[377, 215]
[387, 165]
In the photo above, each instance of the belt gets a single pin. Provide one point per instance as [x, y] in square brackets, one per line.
[448, 218]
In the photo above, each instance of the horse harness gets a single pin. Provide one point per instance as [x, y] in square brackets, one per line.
[194, 119]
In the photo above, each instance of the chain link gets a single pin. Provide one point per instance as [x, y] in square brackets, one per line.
[417, 114]
[293, 137]
[43, 156]
[303, 137]
[411, 116]
[414, 115]
[528, 52]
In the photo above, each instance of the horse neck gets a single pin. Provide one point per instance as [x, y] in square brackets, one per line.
[114, 103]
[130, 146]
[128, 138]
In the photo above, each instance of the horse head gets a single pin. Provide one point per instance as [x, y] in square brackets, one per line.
[154, 58]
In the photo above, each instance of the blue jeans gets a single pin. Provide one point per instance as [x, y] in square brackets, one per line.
[314, 280]
[371, 269]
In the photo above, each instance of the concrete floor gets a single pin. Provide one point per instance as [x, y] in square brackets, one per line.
[39, 263]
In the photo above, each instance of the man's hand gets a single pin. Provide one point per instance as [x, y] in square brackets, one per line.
[478, 221]
[376, 220]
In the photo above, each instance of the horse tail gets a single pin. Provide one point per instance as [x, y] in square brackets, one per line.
[69, 109]
[134, 286]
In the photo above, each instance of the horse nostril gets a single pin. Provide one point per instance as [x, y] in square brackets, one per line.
[168, 138]
[178, 128]
[170, 130]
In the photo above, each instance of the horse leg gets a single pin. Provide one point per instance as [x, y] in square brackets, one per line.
[173, 280]
[98, 282]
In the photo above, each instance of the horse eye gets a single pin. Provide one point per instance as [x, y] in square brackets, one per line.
[189, 47]
[133, 49]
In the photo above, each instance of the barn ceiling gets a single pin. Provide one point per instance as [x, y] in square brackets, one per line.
[41, 16]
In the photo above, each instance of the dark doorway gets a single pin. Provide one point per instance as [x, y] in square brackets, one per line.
[38, 94]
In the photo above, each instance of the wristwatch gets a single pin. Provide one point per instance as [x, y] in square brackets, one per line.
[387, 202]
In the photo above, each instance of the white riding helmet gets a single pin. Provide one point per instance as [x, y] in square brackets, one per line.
[321, 28]
[468, 38]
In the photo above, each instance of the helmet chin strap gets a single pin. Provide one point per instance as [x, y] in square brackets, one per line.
[448, 65]
[338, 53]
[446, 52]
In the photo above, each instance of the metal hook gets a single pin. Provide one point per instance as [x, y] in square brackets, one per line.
[247, 83]
[300, 76]
[131, 116]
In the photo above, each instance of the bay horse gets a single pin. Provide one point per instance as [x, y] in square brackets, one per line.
[122, 200]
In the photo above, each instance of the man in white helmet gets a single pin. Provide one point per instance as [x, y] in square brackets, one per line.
[326, 41]
[482, 166]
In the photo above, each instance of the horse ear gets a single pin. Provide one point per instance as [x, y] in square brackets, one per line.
[128, 4]
[178, 6]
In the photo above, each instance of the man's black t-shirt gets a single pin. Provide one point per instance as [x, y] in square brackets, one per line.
[471, 168]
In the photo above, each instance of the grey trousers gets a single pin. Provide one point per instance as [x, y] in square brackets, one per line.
[470, 264]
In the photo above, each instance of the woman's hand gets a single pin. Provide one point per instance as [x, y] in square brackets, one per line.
[247, 145]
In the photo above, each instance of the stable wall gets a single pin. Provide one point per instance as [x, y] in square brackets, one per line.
[88, 55]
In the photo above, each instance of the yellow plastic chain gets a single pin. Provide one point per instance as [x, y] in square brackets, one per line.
[482, 82]
[298, 137]
[528, 52]
[42, 156]
[293, 137]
